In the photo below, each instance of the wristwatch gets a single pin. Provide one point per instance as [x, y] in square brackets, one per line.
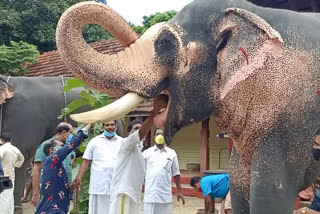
[304, 210]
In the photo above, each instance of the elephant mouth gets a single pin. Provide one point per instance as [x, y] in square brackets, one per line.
[161, 119]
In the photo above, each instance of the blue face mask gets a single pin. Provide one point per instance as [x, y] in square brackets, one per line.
[107, 134]
[68, 140]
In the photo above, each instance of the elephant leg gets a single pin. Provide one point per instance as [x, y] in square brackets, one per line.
[273, 186]
[239, 183]
[19, 187]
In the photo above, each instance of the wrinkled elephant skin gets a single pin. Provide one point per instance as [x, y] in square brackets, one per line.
[256, 70]
[30, 116]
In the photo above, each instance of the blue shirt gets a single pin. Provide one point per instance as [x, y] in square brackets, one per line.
[67, 163]
[54, 186]
[215, 185]
[1, 170]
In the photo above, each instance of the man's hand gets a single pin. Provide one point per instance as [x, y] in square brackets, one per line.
[76, 183]
[35, 199]
[180, 196]
[88, 127]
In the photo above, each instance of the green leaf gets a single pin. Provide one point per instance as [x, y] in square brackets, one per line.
[73, 83]
[75, 104]
[85, 95]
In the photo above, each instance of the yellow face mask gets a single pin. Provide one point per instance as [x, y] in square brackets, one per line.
[159, 139]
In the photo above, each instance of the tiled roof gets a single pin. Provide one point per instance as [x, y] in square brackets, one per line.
[50, 64]
[142, 110]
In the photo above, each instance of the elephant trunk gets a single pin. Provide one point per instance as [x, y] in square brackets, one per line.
[107, 73]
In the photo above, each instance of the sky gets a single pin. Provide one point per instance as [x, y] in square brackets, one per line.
[134, 10]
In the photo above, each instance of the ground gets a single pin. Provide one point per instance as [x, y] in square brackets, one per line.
[191, 206]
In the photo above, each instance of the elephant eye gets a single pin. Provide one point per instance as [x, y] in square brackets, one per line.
[167, 47]
[223, 39]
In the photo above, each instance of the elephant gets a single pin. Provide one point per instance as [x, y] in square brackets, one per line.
[30, 107]
[255, 70]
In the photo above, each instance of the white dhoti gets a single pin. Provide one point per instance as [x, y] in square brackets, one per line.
[99, 204]
[157, 208]
[123, 204]
[7, 201]
[226, 204]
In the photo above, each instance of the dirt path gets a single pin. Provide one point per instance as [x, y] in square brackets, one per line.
[191, 206]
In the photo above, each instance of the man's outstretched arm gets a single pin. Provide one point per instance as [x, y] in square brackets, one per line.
[159, 103]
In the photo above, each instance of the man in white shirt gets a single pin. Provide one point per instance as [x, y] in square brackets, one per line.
[11, 157]
[161, 165]
[128, 174]
[101, 153]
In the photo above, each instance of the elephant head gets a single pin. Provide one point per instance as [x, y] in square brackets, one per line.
[6, 91]
[199, 58]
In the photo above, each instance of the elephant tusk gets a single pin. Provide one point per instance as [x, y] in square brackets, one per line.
[109, 112]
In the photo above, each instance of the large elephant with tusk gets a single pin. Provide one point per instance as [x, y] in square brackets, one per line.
[254, 69]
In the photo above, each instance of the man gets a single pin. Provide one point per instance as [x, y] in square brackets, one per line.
[101, 153]
[55, 189]
[11, 157]
[161, 165]
[315, 205]
[214, 186]
[63, 133]
[128, 174]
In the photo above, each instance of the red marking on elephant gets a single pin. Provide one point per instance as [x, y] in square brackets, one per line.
[245, 55]
[318, 92]
[50, 197]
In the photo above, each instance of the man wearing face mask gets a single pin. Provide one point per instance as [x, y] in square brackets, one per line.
[63, 134]
[55, 189]
[161, 165]
[101, 153]
[128, 173]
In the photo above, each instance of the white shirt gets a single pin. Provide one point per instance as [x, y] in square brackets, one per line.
[11, 157]
[161, 166]
[128, 174]
[103, 153]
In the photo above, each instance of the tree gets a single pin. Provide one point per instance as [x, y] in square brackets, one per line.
[14, 56]
[153, 19]
[35, 22]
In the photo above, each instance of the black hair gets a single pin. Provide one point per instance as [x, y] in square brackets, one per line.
[5, 138]
[62, 127]
[115, 121]
[154, 133]
[317, 132]
[195, 180]
[46, 149]
[132, 123]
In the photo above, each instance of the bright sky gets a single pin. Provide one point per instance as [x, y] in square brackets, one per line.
[134, 10]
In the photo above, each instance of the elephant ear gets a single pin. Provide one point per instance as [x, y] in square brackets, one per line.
[244, 41]
[258, 21]
[6, 91]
